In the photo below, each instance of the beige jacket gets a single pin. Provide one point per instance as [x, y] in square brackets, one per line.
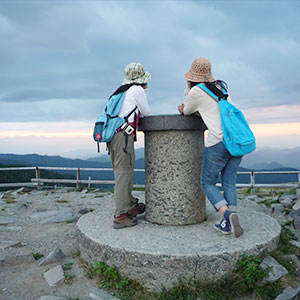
[197, 100]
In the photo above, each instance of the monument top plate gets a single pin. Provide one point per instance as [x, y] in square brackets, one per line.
[171, 122]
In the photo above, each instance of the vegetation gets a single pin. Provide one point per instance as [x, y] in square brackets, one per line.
[37, 255]
[26, 175]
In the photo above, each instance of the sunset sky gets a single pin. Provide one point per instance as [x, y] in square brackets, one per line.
[60, 60]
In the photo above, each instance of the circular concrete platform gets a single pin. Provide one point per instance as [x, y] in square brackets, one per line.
[158, 255]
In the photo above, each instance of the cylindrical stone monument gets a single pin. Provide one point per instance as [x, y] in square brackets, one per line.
[174, 147]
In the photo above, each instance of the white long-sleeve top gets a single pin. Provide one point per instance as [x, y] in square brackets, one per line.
[135, 96]
[197, 100]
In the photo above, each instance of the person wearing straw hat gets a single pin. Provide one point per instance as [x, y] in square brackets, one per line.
[121, 147]
[216, 157]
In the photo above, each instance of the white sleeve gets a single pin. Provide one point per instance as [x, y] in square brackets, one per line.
[141, 102]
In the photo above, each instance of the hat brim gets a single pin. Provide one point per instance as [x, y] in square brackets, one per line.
[199, 78]
[141, 80]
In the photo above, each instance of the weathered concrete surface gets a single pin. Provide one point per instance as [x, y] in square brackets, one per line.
[158, 255]
[173, 156]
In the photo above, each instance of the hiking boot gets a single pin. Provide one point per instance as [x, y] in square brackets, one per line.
[234, 222]
[124, 221]
[138, 209]
[223, 227]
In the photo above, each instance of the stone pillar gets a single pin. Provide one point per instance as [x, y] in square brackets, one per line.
[173, 158]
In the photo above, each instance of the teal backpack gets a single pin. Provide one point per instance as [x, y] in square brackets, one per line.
[109, 121]
[237, 135]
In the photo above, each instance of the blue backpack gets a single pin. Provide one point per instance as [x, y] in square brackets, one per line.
[237, 135]
[109, 121]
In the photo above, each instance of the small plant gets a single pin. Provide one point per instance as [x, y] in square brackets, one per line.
[68, 278]
[76, 254]
[67, 266]
[8, 198]
[37, 255]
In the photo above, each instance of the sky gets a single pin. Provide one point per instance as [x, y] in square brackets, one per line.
[60, 61]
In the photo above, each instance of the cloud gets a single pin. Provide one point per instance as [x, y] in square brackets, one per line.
[60, 57]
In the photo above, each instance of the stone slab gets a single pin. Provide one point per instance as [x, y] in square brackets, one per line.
[171, 122]
[96, 294]
[8, 220]
[288, 293]
[8, 244]
[277, 270]
[54, 275]
[53, 257]
[21, 259]
[158, 255]
[49, 297]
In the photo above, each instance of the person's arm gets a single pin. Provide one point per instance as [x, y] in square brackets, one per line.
[141, 102]
[190, 103]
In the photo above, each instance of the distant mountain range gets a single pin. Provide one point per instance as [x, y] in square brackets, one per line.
[272, 158]
[260, 159]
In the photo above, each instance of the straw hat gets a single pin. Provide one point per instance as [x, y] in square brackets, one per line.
[135, 73]
[200, 71]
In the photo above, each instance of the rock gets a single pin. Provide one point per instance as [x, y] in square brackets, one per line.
[45, 214]
[297, 204]
[295, 214]
[21, 190]
[63, 216]
[298, 193]
[8, 220]
[295, 243]
[47, 297]
[54, 256]
[84, 191]
[83, 211]
[252, 198]
[288, 293]
[21, 206]
[277, 270]
[22, 259]
[8, 244]
[277, 208]
[100, 295]
[286, 201]
[14, 228]
[54, 275]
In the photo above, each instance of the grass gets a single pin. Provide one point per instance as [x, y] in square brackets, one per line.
[8, 198]
[37, 255]
[67, 266]
[68, 278]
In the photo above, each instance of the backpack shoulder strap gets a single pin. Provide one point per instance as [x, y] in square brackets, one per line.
[210, 93]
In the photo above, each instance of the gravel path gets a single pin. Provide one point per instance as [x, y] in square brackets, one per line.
[20, 276]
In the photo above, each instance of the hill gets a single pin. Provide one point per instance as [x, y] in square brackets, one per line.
[58, 161]
[26, 175]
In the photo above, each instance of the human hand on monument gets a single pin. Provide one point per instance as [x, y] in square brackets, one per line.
[180, 108]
